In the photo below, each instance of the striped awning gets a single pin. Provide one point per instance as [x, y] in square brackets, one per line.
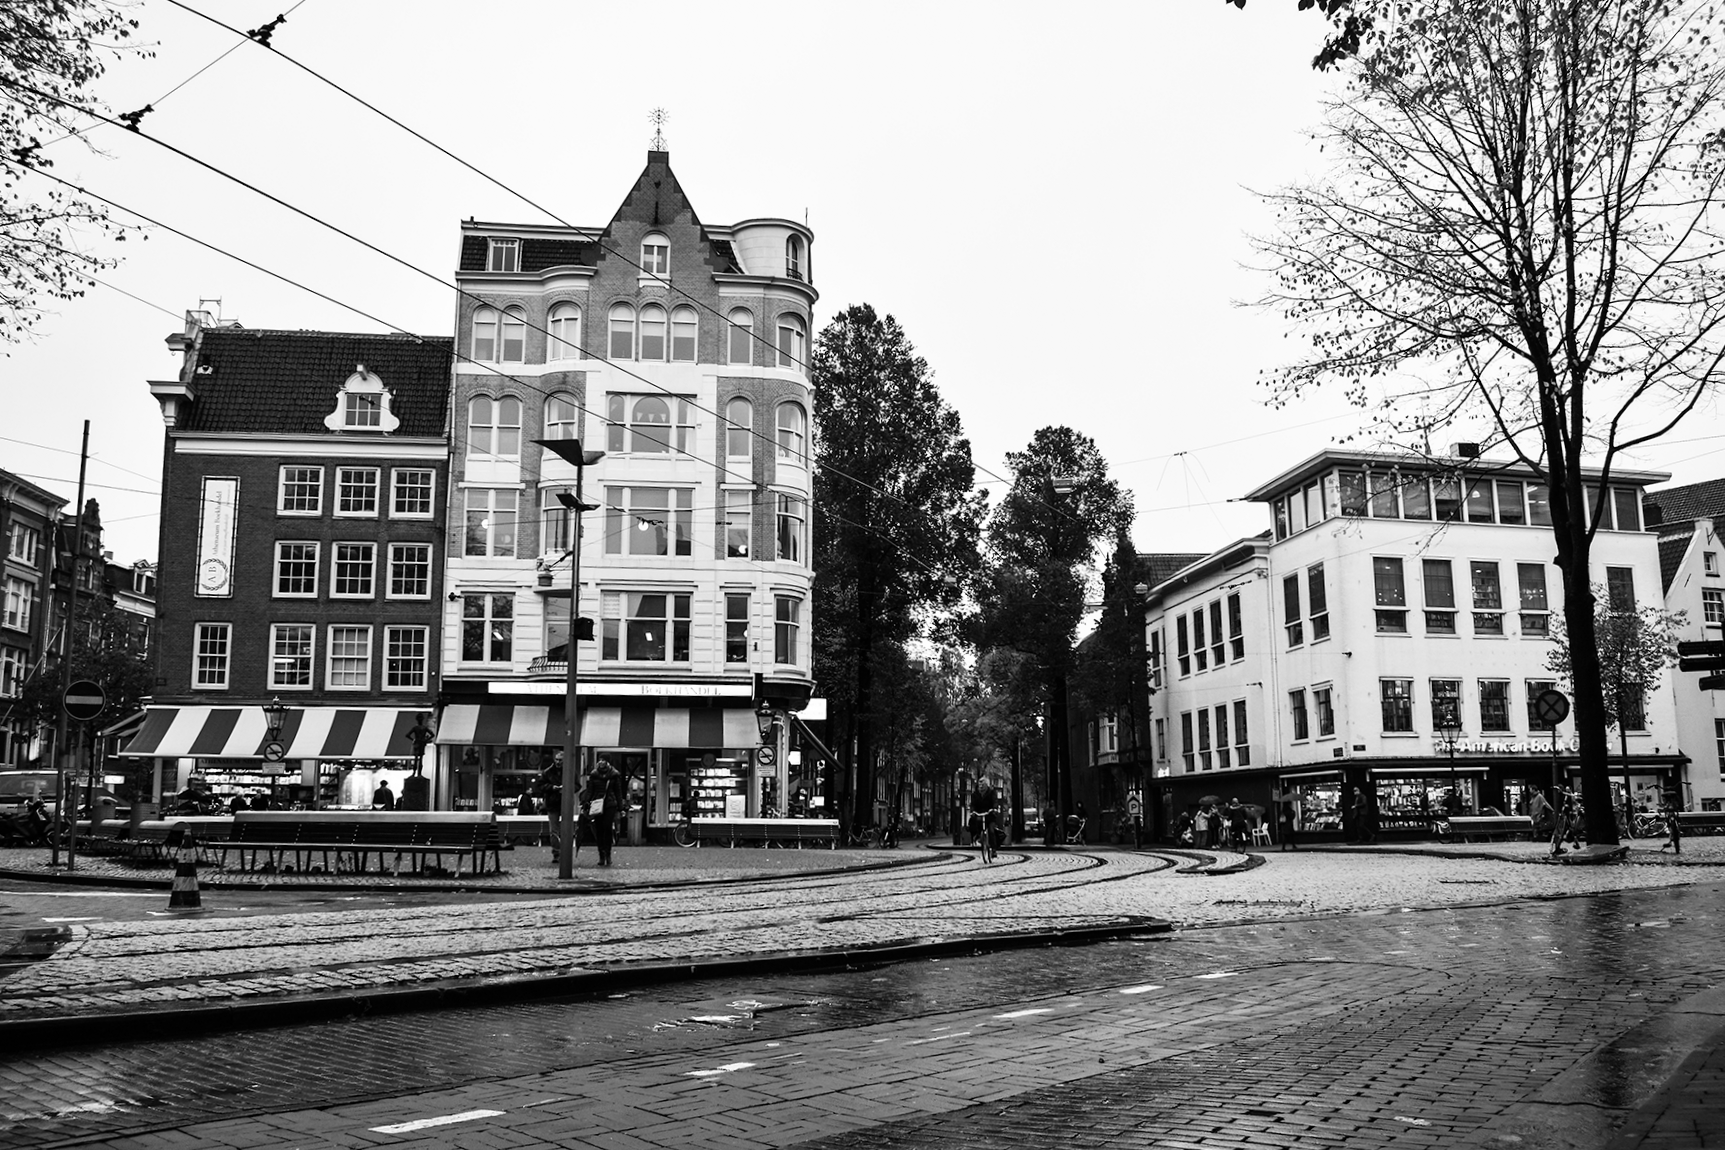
[241, 732]
[542, 725]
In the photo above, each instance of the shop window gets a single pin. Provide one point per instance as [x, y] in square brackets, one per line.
[491, 522]
[564, 326]
[349, 658]
[1291, 621]
[212, 645]
[1487, 598]
[736, 628]
[1390, 594]
[1224, 757]
[740, 340]
[487, 628]
[1493, 705]
[1439, 582]
[1200, 649]
[685, 327]
[1536, 688]
[1182, 650]
[291, 652]
[1242, 741]
[411, 492]
[1713, 607]
[649, 424]
[1535, 607]
[1396, 697]
[1218, 645]
[787, 628]
[1187, 757]
[1206, 760]
[1297, 709]
[296, 570]
[1321, 703]
[1620, 588]
[407, 656]
[300, 492]
[1317, 602]
[356, 491]
[649, 521]
[1237, 628]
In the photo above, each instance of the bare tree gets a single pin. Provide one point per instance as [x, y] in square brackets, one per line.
[1523, 211]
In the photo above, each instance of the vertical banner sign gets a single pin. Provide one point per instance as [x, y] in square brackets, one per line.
[216, 513]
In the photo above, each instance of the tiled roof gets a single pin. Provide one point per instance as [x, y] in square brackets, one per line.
[537, 253]
[1159, 567]
[1704, 500]
[287, 381]
[1671, 551]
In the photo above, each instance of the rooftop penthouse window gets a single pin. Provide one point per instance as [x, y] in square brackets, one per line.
[1389, 493]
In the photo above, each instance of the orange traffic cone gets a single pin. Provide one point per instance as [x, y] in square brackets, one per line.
[184, 895]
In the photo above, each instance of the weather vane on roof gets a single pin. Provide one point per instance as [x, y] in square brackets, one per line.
[657, 118]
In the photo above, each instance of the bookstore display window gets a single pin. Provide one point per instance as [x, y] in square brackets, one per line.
[1317, 805]
[1416, 803]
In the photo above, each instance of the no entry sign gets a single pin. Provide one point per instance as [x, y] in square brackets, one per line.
[84, 700]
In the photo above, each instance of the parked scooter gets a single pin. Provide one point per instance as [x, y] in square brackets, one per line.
[27, 827]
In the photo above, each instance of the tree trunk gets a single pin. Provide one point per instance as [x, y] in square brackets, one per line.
[1060, 756]
[1017, 794]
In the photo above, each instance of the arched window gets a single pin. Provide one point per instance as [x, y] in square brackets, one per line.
[622, 331]
[514, 335]
[481, 424]
[560, 417]
[794, 257]
[683, 328]
[739, 422]
[742, 337]
[484, 334]
[650, 425]
[653, 332]
[793, 433]
[565, 328]
[793, 340]
[656, 255]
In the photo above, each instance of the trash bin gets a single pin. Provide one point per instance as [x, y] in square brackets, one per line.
[105, 808]
[635, 826]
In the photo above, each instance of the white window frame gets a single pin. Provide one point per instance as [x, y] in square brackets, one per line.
[737, 626]
[623, 428]
[487, 620]
[333, 680]
[1713, 606]
[619, 316]
[282, 481]
[685, 330]
[306, 661]
[13, 663]
[25, 544]
[655, 254]
[793, 440]
[362, 410]
[564, 326]
[657, 316]
[739, 436]
[337, 562]
[225, 658]
[740, 325]
[739, 512]
[495, 428]
[502, 255]
[315, 576]
[624, 517]
[397, 563]
[397, 488]
[1710, 562]
[483, 348]
[419, 677]
[561, 424]
[614, 622]
[490, 497]
[787, 633]
[791, 526]
[343, 482]
[793, 346]
[22, 597]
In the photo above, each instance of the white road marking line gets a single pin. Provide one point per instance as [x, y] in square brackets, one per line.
[937, 1038]
[92, 894]
[1218, 974]
[727, 1068]
[1145, 989]
[440, 1120]
[1026, 1013]
[85, 918]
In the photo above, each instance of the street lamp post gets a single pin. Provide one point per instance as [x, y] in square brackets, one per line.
[1449, 729]
[571, 452]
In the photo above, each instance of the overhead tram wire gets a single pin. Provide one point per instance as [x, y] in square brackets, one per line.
[590, 236]
[526, 383]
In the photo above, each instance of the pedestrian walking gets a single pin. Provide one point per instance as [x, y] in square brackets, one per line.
[1239, 826]
[1201, 827]
[1286, 825]
[1363, 831]
[383, 799]
[548, 788]
[603, 803]
[1540, 811]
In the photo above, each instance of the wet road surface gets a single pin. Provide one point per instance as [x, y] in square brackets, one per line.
[1537, 1023]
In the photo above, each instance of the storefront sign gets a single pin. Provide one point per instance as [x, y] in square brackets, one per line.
[1532, 747]
[216, 537]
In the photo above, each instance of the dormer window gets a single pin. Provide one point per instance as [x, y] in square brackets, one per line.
[505, 256]
[656, 255]
[362, 405]
[794, 257]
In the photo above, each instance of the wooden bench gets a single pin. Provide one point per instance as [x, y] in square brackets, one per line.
[352, 837]
[1466, 828]
[766, 832]
[1701, 822]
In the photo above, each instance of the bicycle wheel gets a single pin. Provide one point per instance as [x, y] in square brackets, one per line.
[684, 833]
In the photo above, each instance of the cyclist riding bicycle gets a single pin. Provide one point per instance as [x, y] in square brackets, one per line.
[984, 815]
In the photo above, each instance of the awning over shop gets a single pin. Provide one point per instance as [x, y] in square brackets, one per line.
[542, 725]
[241, 732]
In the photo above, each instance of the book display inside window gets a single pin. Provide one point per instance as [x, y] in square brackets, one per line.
[711, 782]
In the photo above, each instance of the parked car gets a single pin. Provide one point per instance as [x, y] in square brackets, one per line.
[19, 788]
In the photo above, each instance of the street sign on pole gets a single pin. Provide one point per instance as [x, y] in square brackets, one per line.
[84, 700]
[1551, 707]
[1712, 683]
[1714, 647]
[1703, 664]
[274, 751]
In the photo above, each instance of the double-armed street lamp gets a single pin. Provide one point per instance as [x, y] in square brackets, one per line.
[571, 452]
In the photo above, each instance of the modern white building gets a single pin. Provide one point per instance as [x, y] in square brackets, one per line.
[1692, 564]
[1388, 633]
[680, 349]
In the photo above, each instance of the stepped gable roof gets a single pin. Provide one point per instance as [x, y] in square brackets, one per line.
[1705, 500]
[658, 200]
[537, 253]
[286, 382]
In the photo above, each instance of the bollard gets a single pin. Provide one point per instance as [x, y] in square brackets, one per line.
[184, 895]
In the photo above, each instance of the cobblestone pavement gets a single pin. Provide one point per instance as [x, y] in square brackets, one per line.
[1535, 1023]
[136, 965]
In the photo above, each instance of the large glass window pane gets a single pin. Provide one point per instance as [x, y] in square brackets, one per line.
[1446, 499]
[653, 333]
[1539, 505]
[1479, 501]
[1509, 505]
[1626, 501]
[1353, 493]
[1416, 497]
[1382, 485]
[1620, 588]
[1439, 582]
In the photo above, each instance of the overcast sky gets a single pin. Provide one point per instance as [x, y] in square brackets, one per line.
[1055, 202]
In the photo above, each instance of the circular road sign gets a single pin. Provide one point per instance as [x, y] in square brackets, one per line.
[765, 756]
[274, 751]
[1551, 707]
[84, 700]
